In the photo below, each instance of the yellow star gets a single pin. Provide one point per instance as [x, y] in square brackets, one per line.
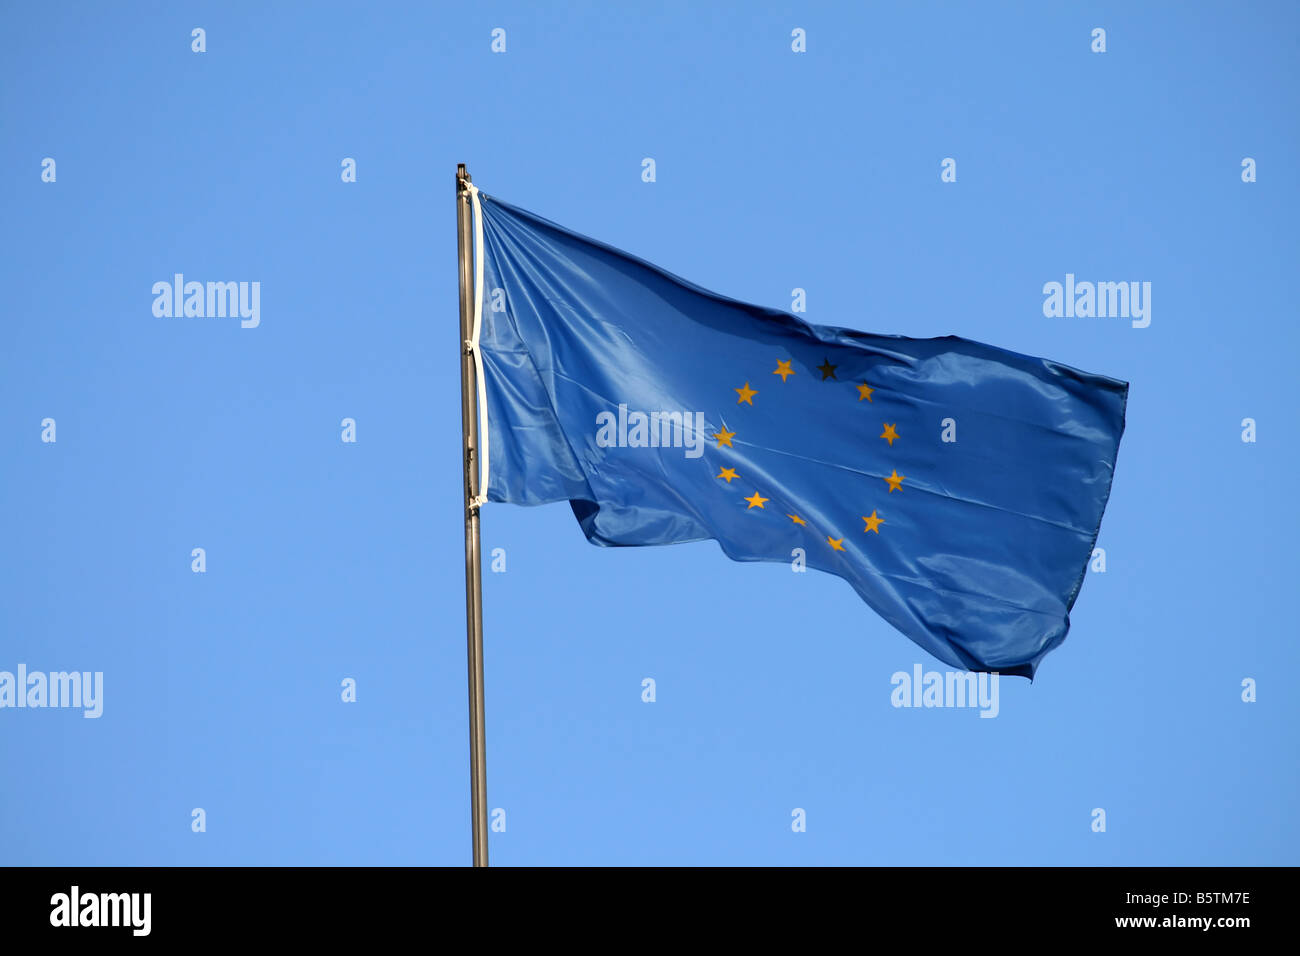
[756, 500]
[873, 523]
[796, 519]
[746, 395]
[727, 473]
[835, 543]
[827, 370]
[890, 434]
[895, 481]
[724, 438]
[864, 391]
[783, 369]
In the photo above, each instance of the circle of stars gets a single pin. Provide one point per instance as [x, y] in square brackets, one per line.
[784, 370]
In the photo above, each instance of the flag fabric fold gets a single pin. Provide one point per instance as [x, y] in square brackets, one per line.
[958, 487]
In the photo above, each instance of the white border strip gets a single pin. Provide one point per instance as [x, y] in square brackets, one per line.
[483, 459]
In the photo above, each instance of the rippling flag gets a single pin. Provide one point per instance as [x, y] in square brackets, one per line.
[958, 487]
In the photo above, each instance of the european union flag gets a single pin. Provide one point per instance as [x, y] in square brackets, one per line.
[958, 487]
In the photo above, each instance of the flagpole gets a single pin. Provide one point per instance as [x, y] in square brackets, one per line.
[473, 564]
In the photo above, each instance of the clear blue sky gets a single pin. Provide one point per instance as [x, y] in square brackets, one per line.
[775, 170]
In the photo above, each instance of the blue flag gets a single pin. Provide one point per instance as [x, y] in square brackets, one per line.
[957, 487]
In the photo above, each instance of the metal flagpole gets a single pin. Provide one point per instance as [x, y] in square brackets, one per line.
[473, 568]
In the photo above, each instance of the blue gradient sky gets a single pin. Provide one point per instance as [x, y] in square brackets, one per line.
[775, 170]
